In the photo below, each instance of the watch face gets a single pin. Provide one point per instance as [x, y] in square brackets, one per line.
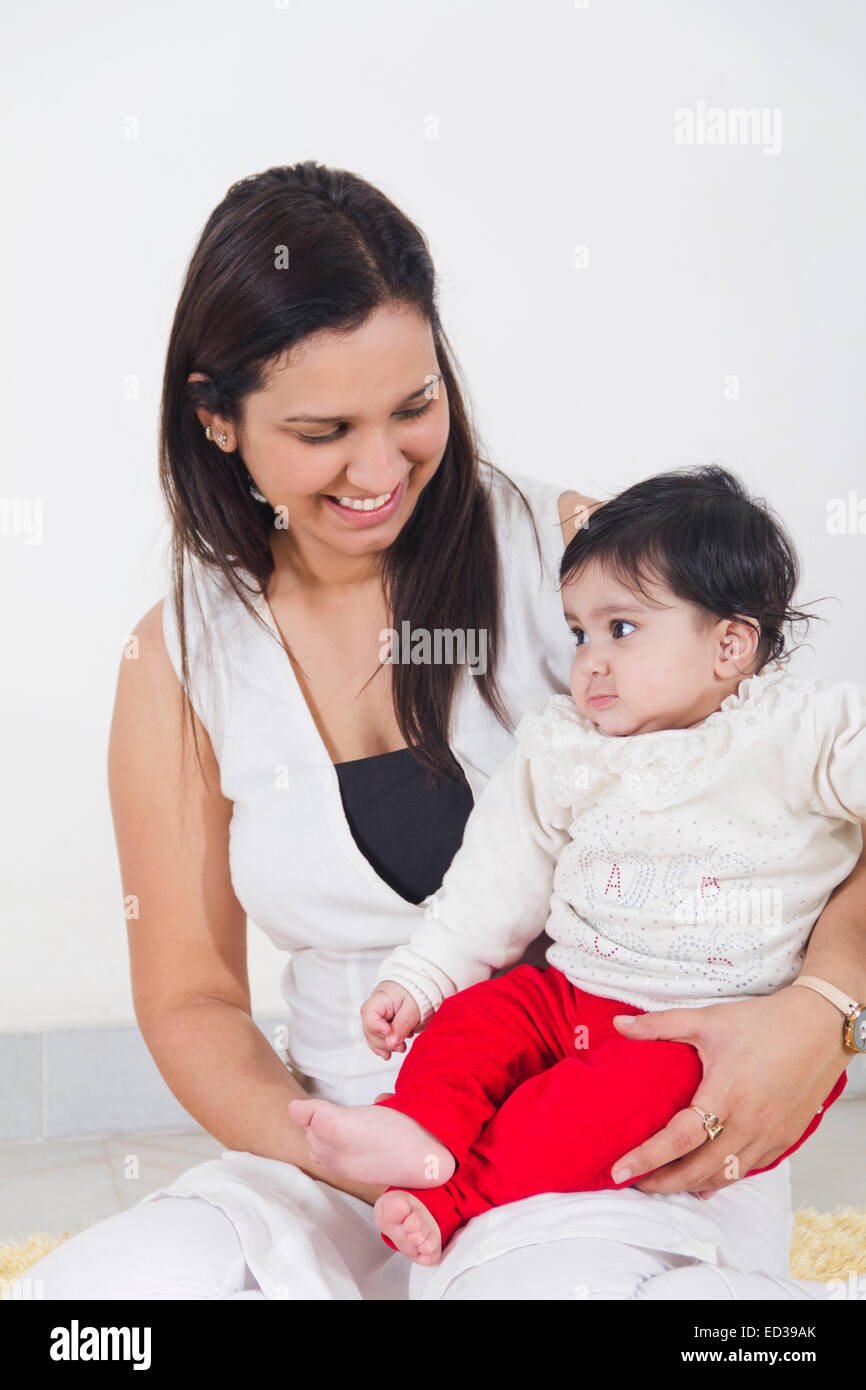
[859, 1031]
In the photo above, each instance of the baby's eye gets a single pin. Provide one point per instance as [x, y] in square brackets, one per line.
[580, 637]
[620, 623]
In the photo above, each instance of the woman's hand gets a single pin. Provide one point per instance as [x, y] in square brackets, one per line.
[389, 1016]
[769, 1063]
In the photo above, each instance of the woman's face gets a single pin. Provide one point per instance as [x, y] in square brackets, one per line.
[349, 417]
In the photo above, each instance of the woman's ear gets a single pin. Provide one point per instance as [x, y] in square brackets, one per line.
[207, 418]
[737, 647]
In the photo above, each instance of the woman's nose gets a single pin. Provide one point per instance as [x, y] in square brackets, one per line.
[377, 466]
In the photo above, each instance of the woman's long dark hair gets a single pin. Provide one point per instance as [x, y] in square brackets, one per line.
[351, 250]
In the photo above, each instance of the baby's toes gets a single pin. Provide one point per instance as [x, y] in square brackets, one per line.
[428, 1244]
[326, 1126]
[409, 1225]
[302, 1111]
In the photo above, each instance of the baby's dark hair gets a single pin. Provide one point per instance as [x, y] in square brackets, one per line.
[700, 533]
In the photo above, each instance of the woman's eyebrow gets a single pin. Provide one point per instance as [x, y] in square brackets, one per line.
[335, 419]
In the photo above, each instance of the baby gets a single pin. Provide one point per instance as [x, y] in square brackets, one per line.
[675, 825]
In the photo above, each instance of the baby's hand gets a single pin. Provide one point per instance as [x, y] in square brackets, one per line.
[389, 1016]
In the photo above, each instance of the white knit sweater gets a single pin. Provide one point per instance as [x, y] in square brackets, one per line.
[678, 867]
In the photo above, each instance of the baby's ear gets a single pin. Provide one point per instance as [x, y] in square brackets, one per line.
[738, 645]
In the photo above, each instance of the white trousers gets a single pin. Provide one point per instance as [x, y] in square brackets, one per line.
[188, 1247]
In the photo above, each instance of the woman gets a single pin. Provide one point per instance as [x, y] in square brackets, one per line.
[324, 481]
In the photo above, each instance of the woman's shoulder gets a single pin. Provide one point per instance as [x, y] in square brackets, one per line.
[550, 510]
[210, 609]
[146, 653]
[213, 618]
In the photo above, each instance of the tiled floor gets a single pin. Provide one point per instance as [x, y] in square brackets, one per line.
[66, 1184]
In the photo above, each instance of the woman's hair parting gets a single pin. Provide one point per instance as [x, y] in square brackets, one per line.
[700, 533]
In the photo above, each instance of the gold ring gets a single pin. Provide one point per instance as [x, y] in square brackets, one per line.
[711, 1122]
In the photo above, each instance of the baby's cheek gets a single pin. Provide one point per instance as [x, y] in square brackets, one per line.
[651, 689]
[576, 685]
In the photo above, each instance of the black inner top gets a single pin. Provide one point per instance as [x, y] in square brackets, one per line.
[407, 831]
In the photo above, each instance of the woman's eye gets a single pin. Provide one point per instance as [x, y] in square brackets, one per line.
[322, 438]
[621, 623]
[340, 430]
[419, 410]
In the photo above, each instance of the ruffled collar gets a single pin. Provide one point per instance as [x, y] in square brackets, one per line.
[651, 771]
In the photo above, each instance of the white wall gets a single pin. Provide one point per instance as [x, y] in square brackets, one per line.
[555, 130]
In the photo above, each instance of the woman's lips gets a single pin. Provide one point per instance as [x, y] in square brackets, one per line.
[375, 515]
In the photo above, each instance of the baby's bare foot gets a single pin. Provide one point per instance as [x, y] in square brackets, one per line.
[406, 1221]
[372, 1143]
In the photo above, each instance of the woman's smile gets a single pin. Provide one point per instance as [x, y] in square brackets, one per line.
[367, 511]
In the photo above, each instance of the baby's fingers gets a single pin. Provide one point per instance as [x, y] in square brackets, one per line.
[378, 1043]
[378, 1012]
[377, 1021]
[388, 1018]
[396, 1032]
[404, 1024]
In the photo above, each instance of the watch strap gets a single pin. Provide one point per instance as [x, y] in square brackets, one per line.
[843, 1001]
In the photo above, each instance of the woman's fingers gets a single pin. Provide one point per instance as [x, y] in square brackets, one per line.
[698, 1172]
[736, 1166]
[680, 1136]
[676, 1025]
[768, 1065]
[712, 1166]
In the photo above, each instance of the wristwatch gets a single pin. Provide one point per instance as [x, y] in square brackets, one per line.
[854, 1027]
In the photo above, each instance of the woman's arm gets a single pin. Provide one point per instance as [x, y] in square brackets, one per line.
[768, 1062]
[837, 946]
[187, 937]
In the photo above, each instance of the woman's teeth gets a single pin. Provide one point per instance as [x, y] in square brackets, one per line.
[366, 504]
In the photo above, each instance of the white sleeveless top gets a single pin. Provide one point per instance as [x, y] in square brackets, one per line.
[295, 866]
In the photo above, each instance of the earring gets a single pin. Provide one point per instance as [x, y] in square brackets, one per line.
[221, 439]
[254, 492]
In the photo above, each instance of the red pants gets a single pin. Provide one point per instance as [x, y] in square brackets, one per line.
[527, 1082]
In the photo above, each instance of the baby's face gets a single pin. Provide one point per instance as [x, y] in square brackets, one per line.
[639, 664]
